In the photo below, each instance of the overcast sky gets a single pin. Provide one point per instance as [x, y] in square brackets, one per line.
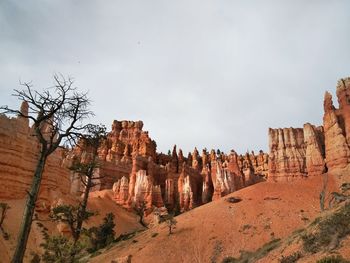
[212, 74]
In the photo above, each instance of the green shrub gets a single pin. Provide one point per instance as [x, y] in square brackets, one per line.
[102, 235]
[59, 249]
[35, 258]
[330, 230]
[247, 256]
[229, 260]
[333, 259]
[291, 258]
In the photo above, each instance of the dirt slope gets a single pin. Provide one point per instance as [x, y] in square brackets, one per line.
[211, 232]
[100, 202]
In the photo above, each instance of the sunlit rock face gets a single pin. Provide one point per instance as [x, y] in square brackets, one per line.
[315, 152]
[19, 151]
[129, 165]
[296, 152]
[336, 126]
[287, 153]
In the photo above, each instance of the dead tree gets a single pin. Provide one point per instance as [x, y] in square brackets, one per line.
[57, 114]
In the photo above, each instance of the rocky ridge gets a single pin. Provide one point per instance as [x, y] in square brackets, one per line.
[313, 150]
[137, 173]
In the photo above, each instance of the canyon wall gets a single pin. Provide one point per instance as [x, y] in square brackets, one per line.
[138, 175]
[183, 183]
[296, 152]
[308, 151]
[336, 124]
[18, 157]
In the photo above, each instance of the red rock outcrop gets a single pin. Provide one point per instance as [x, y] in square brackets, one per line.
[315, 150]
[287, 153]
[121, 191]
[19, 151]
[190, 188]
[128, 164]
[336, 127]
[315, 154]
[296, 152]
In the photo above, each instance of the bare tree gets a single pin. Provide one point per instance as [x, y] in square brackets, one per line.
[56, 114]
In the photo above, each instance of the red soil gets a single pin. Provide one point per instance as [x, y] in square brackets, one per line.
[213, 231]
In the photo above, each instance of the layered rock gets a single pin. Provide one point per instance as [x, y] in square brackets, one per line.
[296, 152]
[128, 164]
[127, 138]
[336, 127]
[223, 180]
[287, 153]
[141, 188]
[315, 152]
[125, 141]
[19, 151]
[121, 191]
[190, 185]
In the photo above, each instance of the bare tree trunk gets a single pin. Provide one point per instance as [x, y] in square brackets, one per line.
[29, 211]
[88, 186]
[83, 208]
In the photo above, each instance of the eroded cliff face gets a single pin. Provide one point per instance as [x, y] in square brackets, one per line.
[287, 153]
[130, 165]
[314, 150]
[337, 130]
[19, 151]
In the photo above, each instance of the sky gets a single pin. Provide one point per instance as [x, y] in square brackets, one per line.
[198, 73]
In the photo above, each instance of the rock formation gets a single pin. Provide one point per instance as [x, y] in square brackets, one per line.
[287, 153]
[336, 147]
[337, 130]
[315, 154]
[139, 174]
[19, 151]
[315, 150]
[131, 166]
[296, 152]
